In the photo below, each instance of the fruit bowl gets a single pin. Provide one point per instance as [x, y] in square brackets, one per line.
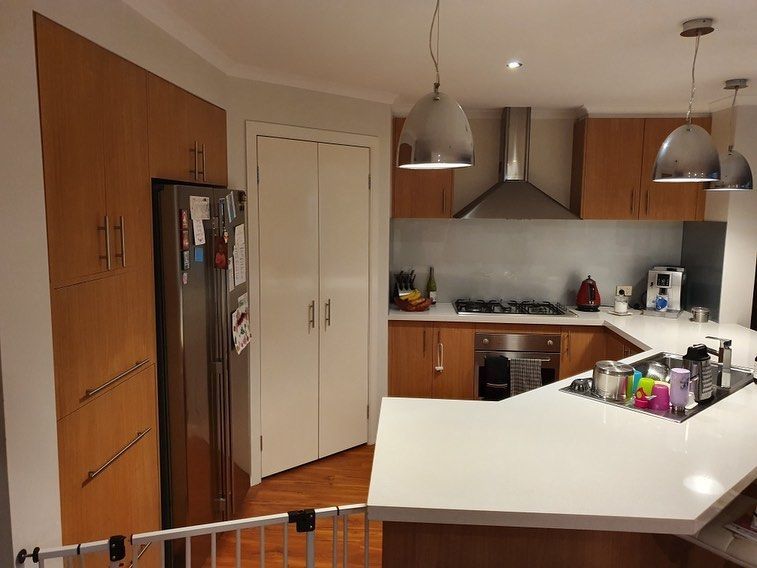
[408, 306]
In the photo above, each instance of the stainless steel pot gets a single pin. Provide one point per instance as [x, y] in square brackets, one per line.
[700, 314]
[610, 379]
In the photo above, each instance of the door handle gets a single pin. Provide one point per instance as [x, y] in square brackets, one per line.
[327, 313]
[311, 315]
[93, 391]
[440, 358]
[196, 171]
[121, 228]
[202, 150]
[94, 473]
[106, 227]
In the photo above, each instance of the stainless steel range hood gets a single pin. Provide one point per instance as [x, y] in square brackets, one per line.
[514, 197]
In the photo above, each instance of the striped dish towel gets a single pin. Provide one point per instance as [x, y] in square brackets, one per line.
[525, 375]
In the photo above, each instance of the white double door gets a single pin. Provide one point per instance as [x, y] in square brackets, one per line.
[314, 219]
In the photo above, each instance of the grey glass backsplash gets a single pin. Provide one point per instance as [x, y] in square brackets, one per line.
[545, 259]
[702, 254]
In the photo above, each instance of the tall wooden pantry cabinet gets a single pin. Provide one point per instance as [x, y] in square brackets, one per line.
[314, 218]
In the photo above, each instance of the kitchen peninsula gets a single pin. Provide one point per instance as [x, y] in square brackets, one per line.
[545, 476]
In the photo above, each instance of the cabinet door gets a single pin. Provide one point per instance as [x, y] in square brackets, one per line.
[173, 154]
[102, 329]
[611, 166]
[289, 307]
[343, 234]
[582, 347]
[101, 495]
[419, 193]
[207, 123]
[127, 175]
[71, 113]
[668, 201]
[453, 361]
[411, 359]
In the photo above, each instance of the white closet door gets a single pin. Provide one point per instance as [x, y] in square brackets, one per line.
[343, 229]
[288, 201]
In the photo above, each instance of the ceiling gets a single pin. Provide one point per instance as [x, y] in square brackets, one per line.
[608, 56]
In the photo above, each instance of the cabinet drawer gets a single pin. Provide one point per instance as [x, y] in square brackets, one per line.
[101, 330]
[108, 455]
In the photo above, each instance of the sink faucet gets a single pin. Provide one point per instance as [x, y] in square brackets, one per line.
[724, 358]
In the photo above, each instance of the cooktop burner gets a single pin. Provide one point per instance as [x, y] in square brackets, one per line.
[524, 307]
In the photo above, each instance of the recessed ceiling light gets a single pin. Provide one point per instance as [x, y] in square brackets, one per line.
[514, 64]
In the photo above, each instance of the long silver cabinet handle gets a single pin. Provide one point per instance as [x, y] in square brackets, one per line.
[204, 178]
[94, 473]
[327, 312]
[311, 316]
[121, 228]
[92, 392]
[106, 228]
[195, 172]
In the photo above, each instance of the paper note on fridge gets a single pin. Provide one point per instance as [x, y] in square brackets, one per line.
[230, 274]
[199, 231]
[199, 207]
[240, 256]
[240, 325]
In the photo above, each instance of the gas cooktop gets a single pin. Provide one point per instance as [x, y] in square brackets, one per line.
[522, 307]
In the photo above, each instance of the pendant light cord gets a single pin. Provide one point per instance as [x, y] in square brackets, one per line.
[733, 124]
[435, 57]
[693, 83]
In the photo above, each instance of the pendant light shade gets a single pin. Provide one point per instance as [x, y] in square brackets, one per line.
[436, 135]
[687, 155]
[735, 174]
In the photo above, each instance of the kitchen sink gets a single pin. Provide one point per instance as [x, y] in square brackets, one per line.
[740, 377]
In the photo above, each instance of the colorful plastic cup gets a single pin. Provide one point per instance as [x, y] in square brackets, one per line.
[646, 384]
[661, 394]
[633, 385]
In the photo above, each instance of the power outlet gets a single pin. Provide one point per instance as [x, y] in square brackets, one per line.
[623, 291]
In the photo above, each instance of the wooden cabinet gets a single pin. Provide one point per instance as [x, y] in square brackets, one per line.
[613, 160]
[668, 201]
[582, 346]
[617, 347]
[103, 330]
[108, 492]
[607, 162]
[431, 360]
[187, 135]
[419, 193]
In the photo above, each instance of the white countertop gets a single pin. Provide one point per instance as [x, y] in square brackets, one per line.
[554, 460]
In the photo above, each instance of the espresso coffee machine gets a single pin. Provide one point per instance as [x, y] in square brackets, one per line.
[664, 287]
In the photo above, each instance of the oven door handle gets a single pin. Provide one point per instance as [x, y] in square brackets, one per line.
[498, 385]
[533, 358]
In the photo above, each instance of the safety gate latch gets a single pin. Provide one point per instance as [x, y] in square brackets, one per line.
[304, 519]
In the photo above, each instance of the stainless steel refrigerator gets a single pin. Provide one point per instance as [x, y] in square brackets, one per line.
[204, 394]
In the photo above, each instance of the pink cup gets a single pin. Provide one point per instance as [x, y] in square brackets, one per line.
[661, 400]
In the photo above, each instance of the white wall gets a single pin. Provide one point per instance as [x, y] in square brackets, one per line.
[25, 329]
[739, 210]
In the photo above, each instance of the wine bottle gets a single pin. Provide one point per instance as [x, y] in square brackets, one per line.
[431, 286]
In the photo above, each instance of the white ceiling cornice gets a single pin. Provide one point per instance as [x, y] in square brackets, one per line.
[177, 27]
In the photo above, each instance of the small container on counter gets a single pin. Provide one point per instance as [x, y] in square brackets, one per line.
[679, 389]
[660, 397]
[700, 314]
[621, 304]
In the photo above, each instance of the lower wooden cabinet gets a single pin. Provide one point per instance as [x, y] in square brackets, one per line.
[108, 454]
[431, 360]
[102, 329]
[582, 346]
[618, 347]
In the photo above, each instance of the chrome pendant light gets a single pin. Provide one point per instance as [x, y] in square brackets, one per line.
[688, 154]
[436, 133]
[735, 173]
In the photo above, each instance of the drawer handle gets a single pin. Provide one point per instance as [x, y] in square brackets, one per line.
[92, 392]
[92, 474]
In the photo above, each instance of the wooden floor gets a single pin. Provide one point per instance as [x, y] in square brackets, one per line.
[341, 479]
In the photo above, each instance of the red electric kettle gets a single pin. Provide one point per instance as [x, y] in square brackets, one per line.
[588, 299]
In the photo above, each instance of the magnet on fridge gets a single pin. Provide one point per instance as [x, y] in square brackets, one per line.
[185, 260]
[183, 219]
[199, 254]
[184, 277]
[222, 254]
[185, 239]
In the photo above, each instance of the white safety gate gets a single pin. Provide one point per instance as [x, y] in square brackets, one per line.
[304, 521]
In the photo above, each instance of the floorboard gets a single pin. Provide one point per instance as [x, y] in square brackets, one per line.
[341, 479]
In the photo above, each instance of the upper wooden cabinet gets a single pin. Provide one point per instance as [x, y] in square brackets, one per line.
[93, 107]
[607, 155]
[613, 159]
[187, 135]
[419, 193]
[431, 360]
[668, 201]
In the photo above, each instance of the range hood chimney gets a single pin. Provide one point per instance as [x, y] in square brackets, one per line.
[514, 197]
